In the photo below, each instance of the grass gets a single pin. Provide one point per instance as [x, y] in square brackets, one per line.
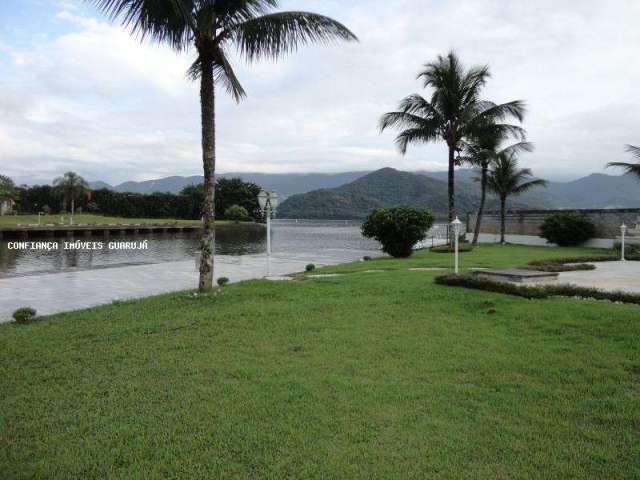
[366, 375]
[89, 219]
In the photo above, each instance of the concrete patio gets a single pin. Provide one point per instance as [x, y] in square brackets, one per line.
[611, 276]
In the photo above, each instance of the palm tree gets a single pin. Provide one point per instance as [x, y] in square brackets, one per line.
[505, 179]
[454, 112]
[481, 153]
[213, 28]
[633, 168]
[72, 186]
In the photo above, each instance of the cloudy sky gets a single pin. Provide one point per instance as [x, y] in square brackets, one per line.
[78, 93]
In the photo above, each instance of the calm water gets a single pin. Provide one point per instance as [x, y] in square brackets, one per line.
[288, 237]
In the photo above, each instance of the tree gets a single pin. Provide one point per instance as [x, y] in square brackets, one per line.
[213, 28]
[454, 112]
[7, 188]
[72, 186]
[233, 191]
[632, 168]
[481, 153]
[505, 179]
[397, 229]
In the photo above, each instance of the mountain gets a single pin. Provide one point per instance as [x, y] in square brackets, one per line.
[383, 188]
[99, 185]
[597, 191]
[286, 184]
[593, 191]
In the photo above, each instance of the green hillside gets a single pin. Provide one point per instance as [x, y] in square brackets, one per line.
[383, 188]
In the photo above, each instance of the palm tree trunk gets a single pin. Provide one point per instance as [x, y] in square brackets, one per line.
[207, 107]
[483, 198]
[73, 208]
[503, 215]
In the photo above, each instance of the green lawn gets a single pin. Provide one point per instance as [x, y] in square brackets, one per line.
[366, 375]
[88, 219]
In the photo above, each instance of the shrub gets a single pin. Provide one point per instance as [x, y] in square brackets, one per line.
[558, 267]
[222, 281]
[631, 251]
[462, 247]
[92, 207]
[46, 210]
[24, 315]
[310, 268]
[584, 259]
[471, 280]
[567, 229]
[366, 258]
[236, 213]
[397, 229]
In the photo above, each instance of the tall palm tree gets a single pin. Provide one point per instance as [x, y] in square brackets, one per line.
[213, 28]
[454, 112]
[481, 153]
[72, 186]
[633, 168]
[505, 179]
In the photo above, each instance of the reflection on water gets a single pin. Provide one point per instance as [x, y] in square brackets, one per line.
[289, 237]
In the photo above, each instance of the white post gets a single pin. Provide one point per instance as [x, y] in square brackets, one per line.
[457, 263]
[456, 232]
[268, 210]
[623, 230]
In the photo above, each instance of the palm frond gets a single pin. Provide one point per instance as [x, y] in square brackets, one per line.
[223, 73]
[523, 187]
[633, 150]
[232, 12]
[414, 136]
[167, 21]
[630, 168]
[401, 120]
[277, 34]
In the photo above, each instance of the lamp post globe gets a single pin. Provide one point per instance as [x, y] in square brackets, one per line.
[273, 200]
[262, 199]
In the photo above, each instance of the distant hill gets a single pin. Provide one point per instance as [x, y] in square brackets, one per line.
[286, 184]
[383, 188]
[597, 191]
[593, 191]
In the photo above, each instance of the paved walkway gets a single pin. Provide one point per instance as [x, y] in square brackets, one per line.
[624, 276]
[58, 292]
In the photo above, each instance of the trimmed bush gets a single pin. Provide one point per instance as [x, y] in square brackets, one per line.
[565, 260]
[222, 281]
[397, 229]
[24, 315]
[236, 213]
[471, 280]
[366, 258]
[310, 268]
[556, 267]
[567, 229]
[462, 247]
[631, 251]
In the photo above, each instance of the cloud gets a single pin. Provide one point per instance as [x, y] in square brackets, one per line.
[88, 97]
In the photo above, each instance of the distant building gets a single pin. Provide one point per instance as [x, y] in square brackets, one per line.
[6, 206]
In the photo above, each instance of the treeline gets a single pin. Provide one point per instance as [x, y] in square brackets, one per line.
[185, 205]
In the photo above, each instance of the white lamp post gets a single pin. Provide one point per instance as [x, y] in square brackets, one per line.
[268, 203]
[623, 231]
[456, 224]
